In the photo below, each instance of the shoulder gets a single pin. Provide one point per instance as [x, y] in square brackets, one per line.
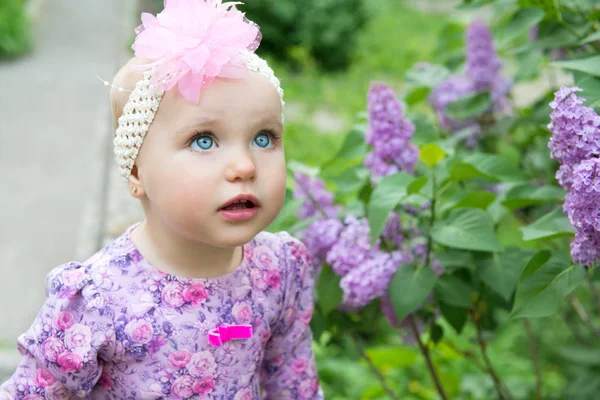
[286, 247]
[89, 277]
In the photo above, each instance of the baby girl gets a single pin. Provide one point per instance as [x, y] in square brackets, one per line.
[196, 301]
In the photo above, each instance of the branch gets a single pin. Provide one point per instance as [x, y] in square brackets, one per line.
[595, 293]
[425, 353]
[502, 390]
[373, 368]
[536, 360]
[583, 315]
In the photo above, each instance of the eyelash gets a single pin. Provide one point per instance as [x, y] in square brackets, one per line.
[276, 139]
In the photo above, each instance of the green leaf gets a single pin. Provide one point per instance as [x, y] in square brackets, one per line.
[287, 215]
[468, 199]
[521, 22]
[469, 106]
[431, 155]
[467, 228]
[579, 355]
[409, 288]
[297, 166]
[456, 316]
[527, 195]
[449, 289]
[487, 166]
[428, 76]
[590, 65]
[329, 292]
[386, 196]
[594, 37]
[416, 185]
[543, 287]
[436, 333]
[552, 225]
[501, 271]
[455, 259]
[392, 356]
[591, 90]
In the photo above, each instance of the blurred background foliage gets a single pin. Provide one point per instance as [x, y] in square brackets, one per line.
[15, 37]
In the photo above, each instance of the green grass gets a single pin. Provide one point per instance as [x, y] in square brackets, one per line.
[395, 38]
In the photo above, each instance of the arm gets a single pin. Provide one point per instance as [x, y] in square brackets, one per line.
[289, 370]
[60, 351]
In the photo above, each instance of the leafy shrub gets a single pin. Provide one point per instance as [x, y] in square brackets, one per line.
[14, 28]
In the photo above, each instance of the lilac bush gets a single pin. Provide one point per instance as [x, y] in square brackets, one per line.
[481, 74]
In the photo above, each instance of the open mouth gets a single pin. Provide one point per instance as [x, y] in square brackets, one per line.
[239, 205]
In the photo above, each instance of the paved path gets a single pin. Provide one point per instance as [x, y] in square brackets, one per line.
[55, 134]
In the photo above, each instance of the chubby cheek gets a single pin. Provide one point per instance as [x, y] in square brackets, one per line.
[181, 193]
[274, 189]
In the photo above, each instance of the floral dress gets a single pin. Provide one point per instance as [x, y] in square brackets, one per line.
[115, 327]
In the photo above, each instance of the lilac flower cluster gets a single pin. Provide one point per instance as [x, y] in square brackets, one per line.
[482, 74]
[575, 144]
[483, 64]
[575, 133]
[389, 134]
[317, 200]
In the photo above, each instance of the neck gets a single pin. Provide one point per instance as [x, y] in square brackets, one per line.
[174, 254]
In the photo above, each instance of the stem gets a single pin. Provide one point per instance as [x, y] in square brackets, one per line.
[468, 355]
[567, 317]
[315, 202]
[583, 315]
[502, 390]
[373, 368]
[431, 221]
[595, 293]
[536, 360]
[425, 353]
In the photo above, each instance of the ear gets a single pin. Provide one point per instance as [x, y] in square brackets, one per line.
[136, 188]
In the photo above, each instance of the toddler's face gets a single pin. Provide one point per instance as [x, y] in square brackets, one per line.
[196, 157]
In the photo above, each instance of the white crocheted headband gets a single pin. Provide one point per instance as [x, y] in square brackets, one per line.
[190, 43]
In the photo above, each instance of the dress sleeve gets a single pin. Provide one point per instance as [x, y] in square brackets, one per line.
[63, 352]
[288, 370]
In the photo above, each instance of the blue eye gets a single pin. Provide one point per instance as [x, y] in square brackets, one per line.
[263, 140]
[203, 142]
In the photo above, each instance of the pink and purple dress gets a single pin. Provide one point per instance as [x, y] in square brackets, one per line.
[114, 327]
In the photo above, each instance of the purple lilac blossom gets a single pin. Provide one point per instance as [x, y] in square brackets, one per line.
[319, 237]
[370, 279]
[585, 249]
[482, 62]
[393, 230]
[316, 189]
[582, 204]
[353, 246]
[447, 92]
[389, 134]
[575, 133]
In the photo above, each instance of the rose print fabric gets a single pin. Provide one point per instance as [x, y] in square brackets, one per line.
[114, 327]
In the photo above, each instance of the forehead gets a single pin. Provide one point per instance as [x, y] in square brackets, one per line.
[250, 98]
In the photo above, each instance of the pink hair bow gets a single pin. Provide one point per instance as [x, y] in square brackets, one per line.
[223, 334]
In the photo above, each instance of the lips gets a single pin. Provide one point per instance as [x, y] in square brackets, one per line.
[241, 201]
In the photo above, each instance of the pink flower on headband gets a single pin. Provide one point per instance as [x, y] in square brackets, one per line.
[193, 41]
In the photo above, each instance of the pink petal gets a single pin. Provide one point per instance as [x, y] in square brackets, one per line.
[196, 59]
[153, 43]
[149, 20]
[190, 86]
